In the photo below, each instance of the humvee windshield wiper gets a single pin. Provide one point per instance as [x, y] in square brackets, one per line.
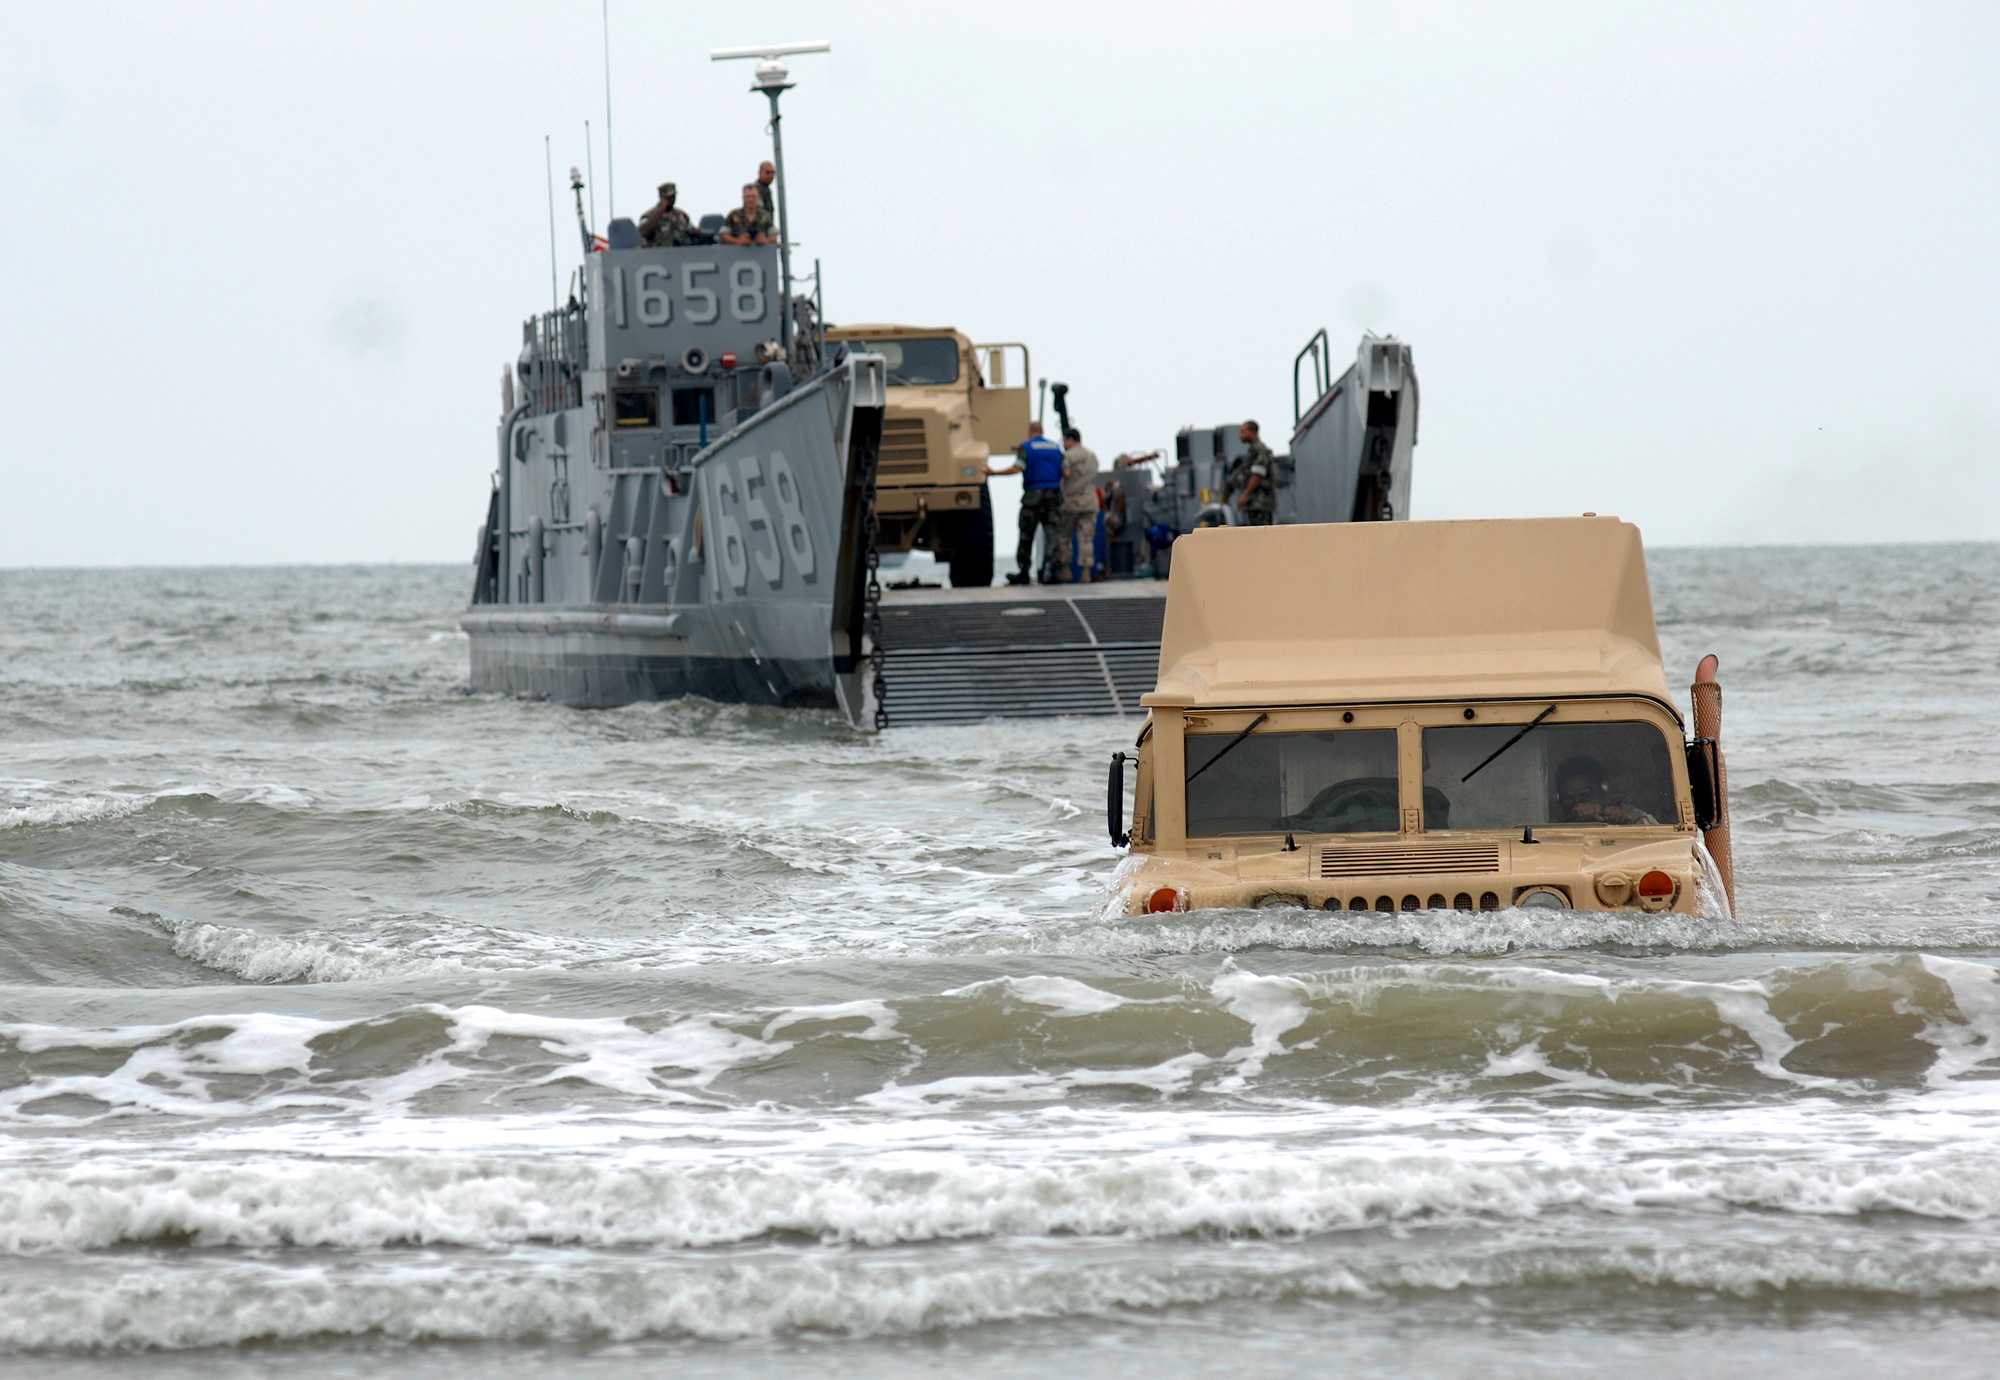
[1230, 747]
[1509, 743]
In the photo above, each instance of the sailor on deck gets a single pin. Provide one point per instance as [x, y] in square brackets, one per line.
[665, 226]
[1039, 462]
[1079, 508]
[1259, 490]
[749, 223]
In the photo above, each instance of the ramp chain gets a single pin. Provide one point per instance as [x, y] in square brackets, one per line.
[872, 596]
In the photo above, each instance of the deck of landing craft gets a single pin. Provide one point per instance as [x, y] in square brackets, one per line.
[960, 655]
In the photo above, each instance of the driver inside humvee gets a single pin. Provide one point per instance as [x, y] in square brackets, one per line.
[1584, 796]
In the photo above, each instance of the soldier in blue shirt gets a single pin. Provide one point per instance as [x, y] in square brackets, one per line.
[1040, 461]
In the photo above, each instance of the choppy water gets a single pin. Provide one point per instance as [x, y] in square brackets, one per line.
[350, 1022]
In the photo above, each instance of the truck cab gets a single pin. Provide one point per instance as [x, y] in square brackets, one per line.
[952, 405]
[1417, 716]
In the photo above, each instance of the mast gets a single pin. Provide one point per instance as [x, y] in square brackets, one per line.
[771, 81]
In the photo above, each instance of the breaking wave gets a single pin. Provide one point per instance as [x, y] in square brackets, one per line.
[1375, 1033]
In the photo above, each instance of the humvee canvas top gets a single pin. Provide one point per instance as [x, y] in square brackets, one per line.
[1370, 612]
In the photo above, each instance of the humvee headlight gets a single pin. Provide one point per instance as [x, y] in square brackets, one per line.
[1542, 898]
[1167, 898]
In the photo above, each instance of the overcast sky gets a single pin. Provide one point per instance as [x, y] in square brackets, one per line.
[1731, 271]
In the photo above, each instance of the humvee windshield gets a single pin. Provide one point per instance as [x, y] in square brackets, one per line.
[921, 362]
[1589, 774]
[1343, 782]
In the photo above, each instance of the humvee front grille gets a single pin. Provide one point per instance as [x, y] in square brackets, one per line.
[1374, 862]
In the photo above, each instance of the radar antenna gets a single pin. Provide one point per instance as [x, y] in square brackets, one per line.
[772, 81]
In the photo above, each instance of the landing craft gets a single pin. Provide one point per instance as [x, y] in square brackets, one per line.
[1435, 716]
[696, 480]
[685, 485]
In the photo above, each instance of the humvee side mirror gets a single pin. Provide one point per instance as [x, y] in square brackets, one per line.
[1704, 783]
[1114, 801]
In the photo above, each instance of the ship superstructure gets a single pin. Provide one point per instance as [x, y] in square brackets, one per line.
[684, 492]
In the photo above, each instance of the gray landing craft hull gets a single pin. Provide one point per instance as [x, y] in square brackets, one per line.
[756, 546]
[599, 661]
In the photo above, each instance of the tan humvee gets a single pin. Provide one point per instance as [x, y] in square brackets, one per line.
[946, 415]
[1417, 716]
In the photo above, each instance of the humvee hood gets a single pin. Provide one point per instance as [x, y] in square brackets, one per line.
[1368, 612]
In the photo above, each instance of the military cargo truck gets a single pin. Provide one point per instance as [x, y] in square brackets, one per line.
[1387, 717]
[951, 406]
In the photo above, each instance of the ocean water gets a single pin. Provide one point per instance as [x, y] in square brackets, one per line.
[351, 1023]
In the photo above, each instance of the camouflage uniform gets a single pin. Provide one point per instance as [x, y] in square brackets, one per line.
[1260, 509]
[764, 195]
[1078, 518]
[665, 226]
[748, 224]
[1042, 511]
[1039, 461]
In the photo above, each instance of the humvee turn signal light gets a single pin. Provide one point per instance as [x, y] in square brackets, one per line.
[1656, 890]
[1167, 898]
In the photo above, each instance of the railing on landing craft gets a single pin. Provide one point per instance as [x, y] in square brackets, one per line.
[1322, 360]
[553, 354]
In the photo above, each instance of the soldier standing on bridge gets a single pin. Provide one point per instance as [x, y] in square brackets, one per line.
[1259, 499]
[1040, 463]
[766, 172]
[665, 226]
[1079, 508]
[749, 223]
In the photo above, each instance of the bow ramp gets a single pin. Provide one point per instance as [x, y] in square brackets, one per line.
[960, 655]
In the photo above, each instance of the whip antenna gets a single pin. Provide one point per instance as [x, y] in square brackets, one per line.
[590, 171]
[610, 176]
[549, 170]
[772, 81]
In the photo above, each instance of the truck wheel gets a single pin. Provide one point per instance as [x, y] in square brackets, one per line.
[972, 546]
